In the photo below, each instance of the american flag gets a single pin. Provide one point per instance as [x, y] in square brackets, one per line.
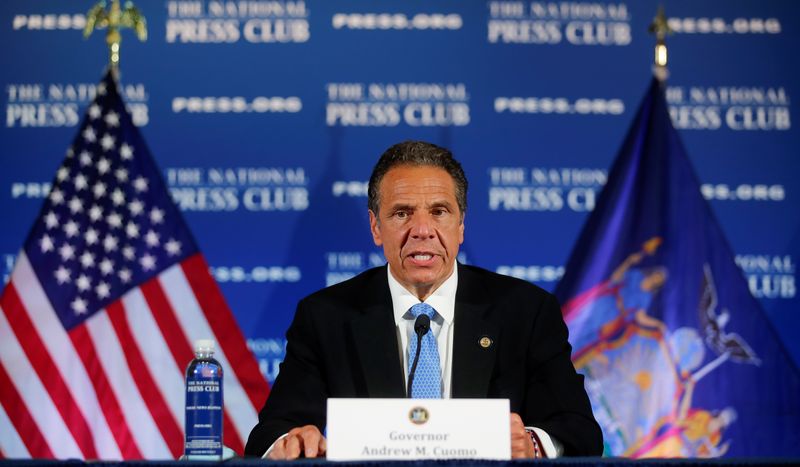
[103, 304]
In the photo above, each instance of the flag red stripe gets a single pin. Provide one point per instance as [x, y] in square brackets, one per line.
[226, 329]
[180, 348]
[153, 399]
[47, 371]
[21, 419]
[109, 404]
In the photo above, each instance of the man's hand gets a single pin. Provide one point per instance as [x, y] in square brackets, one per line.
[306, 440]
[521, 443]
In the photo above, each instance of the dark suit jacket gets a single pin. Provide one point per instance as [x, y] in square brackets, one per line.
[343, 343]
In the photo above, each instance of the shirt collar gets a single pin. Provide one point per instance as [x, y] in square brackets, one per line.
[443, 299]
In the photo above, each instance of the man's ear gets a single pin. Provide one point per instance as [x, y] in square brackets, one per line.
[375, 228]
[461, 230]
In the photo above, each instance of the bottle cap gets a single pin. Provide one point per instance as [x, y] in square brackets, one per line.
[204, 345]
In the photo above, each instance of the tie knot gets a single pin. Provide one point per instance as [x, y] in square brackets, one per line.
[422, 309]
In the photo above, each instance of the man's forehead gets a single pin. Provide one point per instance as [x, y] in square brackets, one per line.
[413, 180]
[427, 195]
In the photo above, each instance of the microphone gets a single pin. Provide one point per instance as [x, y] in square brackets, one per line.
[421, 327]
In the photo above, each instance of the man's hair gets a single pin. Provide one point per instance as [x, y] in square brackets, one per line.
[417, 153]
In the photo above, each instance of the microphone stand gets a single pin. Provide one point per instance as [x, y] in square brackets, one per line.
[421, 327]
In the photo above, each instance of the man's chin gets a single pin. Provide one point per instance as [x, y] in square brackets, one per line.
[427, 278]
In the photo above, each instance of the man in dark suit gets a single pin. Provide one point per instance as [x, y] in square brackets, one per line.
[496, 336]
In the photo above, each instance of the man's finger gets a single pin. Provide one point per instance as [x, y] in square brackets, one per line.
[292, 448]
[311, 437]
[516, 420]
[323, 445]
[521, 444]
[278, 450]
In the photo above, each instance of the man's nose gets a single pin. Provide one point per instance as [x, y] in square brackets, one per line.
[421, 228]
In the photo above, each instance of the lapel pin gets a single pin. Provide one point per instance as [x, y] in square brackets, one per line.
[485, 342]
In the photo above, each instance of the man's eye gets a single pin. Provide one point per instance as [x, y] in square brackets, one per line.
[401, 214]
[438, 212]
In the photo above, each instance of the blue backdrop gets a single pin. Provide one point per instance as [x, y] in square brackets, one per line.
[267, 116]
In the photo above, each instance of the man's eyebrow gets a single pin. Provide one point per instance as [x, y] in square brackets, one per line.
[402, 206]
[440, 204]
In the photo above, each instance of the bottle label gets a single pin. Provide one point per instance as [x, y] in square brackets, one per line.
[203, 417]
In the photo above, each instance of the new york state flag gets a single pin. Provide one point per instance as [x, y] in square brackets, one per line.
[680, 360]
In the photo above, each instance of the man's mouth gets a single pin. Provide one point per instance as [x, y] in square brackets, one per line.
[422, 258]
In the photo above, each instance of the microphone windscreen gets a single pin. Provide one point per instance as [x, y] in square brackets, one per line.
[422, 324]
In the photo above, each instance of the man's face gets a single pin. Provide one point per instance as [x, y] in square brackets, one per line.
[419, 225]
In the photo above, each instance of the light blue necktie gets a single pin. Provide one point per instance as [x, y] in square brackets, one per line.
[427, 382]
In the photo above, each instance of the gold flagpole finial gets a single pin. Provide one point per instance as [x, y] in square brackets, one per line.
[661, 29]
[115, 18]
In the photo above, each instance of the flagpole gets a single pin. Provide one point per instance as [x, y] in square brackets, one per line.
[660, 28]
[115, 18]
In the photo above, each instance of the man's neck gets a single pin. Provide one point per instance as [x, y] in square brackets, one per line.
[422, 291]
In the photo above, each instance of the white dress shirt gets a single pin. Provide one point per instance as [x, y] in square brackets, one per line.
[443, 300]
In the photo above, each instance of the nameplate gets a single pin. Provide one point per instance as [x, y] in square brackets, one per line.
[399, 429]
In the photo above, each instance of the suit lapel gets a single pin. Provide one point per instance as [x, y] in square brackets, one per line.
[473, 356]
[375, 336]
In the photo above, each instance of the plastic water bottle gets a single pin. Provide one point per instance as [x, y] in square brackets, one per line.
[203, 404]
